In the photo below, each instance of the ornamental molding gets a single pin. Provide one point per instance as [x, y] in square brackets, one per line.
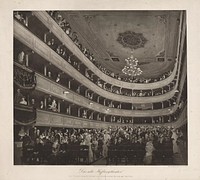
[132, 40]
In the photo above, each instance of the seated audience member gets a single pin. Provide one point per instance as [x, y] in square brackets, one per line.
[21, 56]
[23, 101]
[18, 96]
[143, 138]
[55, 147]
[51, 44]
[84, 114]
[41, 105]
[58, 78]
[53, 106]
[19, 17]
[49, 74]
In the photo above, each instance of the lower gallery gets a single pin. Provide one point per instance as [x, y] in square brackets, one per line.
[100, 88]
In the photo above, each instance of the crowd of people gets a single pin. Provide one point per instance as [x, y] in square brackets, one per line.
[150, 138]
[19, 98]
[62, 22]
[62, 51]
[21, 17]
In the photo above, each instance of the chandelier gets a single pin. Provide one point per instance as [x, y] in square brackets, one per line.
[131, 68]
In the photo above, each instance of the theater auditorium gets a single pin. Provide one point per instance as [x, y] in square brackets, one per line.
[100, 88]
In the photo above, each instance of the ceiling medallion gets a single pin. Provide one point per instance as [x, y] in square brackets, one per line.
[131, 39]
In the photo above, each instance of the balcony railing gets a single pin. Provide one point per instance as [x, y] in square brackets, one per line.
[51, 119]
[47, 86]
[24, 115]
[39, 47]
[59, 33]
[23, 77]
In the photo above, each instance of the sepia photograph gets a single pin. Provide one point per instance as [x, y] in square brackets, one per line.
[100, 87]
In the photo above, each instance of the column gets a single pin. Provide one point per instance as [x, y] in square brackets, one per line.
[104, 85]
[132, 107]
[98, 99]
[26, 60]
[111, 88]
[45, 37]
[86, 91]
[104, 118]
[104, 102]
[28, 100]
[92, 115]
[162, 105]
[69, 109]
[79, 113]
[69, 83]
[26, 20]
[45, 70]
[45, 103]
[59, 106]
[86, 72]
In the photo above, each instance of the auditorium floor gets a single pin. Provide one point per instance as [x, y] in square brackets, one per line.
[177, 160]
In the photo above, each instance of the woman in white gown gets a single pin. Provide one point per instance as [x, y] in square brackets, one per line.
[149, 152]
[174, 141]
[105, 148]
[89, 144]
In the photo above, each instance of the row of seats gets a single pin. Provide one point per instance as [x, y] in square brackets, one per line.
[68, 154]
[131, 154]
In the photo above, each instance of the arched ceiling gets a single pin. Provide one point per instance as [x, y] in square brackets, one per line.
[110, 36]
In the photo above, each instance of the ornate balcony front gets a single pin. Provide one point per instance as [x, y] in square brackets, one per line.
[42, 49]
[24, 115]
[59, 33]
[47, 86]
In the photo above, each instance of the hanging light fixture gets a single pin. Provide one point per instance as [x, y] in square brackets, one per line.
[131, 68]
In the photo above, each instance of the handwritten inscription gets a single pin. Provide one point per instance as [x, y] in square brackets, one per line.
[100, 172]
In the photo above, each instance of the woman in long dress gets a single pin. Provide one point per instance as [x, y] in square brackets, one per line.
[174, 141]
[149, 152]
[89, 144]
[105, 148]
